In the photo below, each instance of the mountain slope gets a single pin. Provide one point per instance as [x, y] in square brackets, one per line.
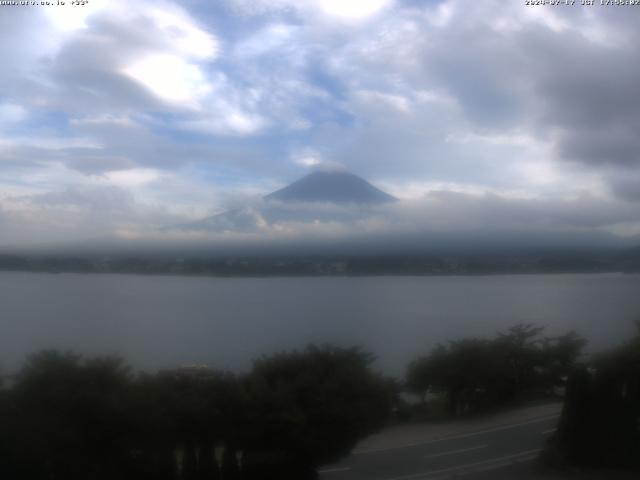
[331, 187]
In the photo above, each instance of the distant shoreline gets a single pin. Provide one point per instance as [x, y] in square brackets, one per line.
[329, 275]
[328, 265]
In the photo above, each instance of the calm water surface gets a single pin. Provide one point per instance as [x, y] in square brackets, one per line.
[156, 321]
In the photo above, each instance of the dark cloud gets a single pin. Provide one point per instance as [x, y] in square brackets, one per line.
[588, 93]
[615, 144]
[626, 187]
[480, 69]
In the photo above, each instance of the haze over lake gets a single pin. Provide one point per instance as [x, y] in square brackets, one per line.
[163, 321]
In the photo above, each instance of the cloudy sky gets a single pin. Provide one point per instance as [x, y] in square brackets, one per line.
[122, 117]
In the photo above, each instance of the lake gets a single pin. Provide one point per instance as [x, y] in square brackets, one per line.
[162, 321]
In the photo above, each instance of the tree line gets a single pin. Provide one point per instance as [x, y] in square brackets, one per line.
[65, 417]
[476, 374]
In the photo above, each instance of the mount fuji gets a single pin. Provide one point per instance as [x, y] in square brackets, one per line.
[323, 196]
[337, 187]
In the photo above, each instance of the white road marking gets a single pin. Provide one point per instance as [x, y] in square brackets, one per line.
[547, 432]
[453, 452]
[334, 470]
[455, 437]
[483, 465]
[496, 465]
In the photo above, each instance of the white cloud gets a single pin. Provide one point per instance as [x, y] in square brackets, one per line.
[11, 113]
[396, 102]
[353, 9]
[441, 15]
[517, 139]
[306, 157]
[227, 121]
[50, 142]
[103, 120]
[70, 17]
[171, 78]
[349, 10]
[270, 38]
[183, 34]
[132, 178]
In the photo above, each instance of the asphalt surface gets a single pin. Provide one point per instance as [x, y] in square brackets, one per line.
[500, 451]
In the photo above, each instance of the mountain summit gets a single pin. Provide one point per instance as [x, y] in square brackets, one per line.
[331, 187]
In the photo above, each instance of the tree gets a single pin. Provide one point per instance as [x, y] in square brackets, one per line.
[475, 374]
[311, 407]
[187, 411]
[599, 425]
[67, 418]
[559, 357]
[519, 348]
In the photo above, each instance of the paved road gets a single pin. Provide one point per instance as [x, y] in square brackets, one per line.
[499, 449]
